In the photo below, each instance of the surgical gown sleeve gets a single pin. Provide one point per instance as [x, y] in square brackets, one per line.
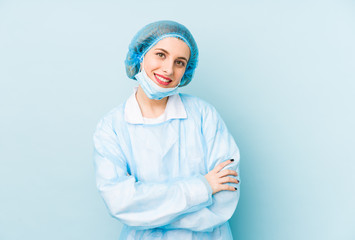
[220, 147]
[138, 204]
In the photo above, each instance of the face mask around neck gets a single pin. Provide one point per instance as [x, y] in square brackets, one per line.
[151, 89]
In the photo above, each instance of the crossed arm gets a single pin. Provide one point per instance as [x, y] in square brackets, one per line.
[192, 203]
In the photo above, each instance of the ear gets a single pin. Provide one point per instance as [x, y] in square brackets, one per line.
[141, 66]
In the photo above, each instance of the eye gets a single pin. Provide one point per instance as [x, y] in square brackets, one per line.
[160, 54]
[180, 63]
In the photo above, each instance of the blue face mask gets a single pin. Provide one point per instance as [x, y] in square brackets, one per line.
[151, 89]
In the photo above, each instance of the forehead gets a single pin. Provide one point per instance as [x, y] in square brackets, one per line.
[174, 46]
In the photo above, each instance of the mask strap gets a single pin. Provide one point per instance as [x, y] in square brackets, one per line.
[141, 64]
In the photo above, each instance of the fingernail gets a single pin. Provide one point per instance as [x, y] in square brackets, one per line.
[236, 188]
[232, 160]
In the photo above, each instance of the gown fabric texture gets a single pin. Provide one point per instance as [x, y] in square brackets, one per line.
[151, 176]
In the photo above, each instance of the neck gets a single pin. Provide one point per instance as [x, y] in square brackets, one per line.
[150, 108]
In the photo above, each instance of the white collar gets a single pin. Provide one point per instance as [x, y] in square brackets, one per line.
[174, 109]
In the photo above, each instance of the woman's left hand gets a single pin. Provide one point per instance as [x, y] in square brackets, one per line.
[216, 177]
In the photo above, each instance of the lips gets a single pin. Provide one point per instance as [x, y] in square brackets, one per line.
[162, 80]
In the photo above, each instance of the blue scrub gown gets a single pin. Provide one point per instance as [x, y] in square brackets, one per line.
[151, 176]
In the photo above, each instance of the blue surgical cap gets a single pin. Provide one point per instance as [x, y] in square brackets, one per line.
[150, 35]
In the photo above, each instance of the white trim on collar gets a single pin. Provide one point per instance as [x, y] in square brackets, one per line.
[174, 110]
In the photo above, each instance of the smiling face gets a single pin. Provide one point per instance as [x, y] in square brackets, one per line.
[165, 62]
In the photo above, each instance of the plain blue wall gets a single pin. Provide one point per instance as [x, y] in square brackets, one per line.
[281, 73]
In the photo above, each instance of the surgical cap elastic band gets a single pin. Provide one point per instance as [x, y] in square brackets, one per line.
[162, 37]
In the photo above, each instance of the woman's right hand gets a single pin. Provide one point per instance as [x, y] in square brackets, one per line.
[216, 177]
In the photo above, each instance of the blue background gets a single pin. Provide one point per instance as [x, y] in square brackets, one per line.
[281, 74]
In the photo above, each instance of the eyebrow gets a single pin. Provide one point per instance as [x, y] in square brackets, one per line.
[162, 49]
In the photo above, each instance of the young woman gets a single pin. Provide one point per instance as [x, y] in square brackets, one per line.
[166, 165]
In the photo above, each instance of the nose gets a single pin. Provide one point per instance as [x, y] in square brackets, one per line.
[168, 67]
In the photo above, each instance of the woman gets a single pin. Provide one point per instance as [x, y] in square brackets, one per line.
[166, 165]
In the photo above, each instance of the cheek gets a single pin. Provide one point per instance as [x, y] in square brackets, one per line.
[150, 67]
[152, 64]
[180, 73]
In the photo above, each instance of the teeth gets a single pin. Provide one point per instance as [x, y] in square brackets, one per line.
[162, 79]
